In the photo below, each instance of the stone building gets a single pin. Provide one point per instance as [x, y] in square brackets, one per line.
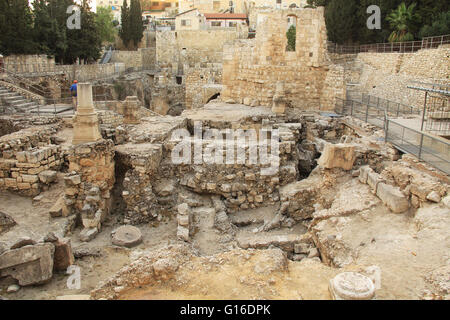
[251, 68]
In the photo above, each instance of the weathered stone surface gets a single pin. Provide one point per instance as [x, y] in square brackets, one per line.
[337, 156]
[6, 222]
[63, 254]
[28, 265]
[433, 196]
[87, 235]
[57, 209]
[446, 201]
[126, 236]
[22, 242]
[48, 176]
[351, 286]
[393, 198]
[364, 173]
[13, 288]
[373, 179]
[182, 233]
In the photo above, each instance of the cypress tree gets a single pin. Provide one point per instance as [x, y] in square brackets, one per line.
[136, 23]
[124, 32]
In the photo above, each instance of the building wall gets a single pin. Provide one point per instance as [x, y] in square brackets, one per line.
[192, 21]
[251, 68]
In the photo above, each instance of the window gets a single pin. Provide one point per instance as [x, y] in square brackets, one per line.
[278, 1]
[155, 3]
[216, 23]
[186, 22]
[232, 24]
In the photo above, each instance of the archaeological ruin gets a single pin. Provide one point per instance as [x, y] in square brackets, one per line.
[210, 165]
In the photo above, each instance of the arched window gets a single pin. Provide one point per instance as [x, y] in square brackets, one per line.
[291, 32]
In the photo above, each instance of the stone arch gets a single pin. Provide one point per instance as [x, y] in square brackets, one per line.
[214, 96]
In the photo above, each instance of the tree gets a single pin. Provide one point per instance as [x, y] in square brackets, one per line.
[48, 33]
[84, 43]
[16, 25]
[124, 31]
[105, 24]
[291, 36]
[402, 22]
[340, 17]
[439, 27]
[136, 23]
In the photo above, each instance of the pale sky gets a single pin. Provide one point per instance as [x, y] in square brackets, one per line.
[92, 3]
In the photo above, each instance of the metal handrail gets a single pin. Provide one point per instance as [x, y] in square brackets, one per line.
[33, 86]
[387, 47]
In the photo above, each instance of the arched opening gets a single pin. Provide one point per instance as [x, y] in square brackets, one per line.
[291, 32]
[214, 96]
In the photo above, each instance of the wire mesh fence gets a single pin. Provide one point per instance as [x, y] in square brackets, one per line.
[400, 47]
[430, 149]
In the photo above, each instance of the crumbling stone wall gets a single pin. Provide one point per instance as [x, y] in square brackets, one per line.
[196, 79]
[90, 179]
[26, 157]
[141, 58]
[253, 67]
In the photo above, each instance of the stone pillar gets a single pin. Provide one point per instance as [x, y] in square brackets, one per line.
[131, 110]
[279, 102]
[85, 124]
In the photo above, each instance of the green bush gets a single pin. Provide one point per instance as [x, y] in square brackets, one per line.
[439, 27]
[291, 36]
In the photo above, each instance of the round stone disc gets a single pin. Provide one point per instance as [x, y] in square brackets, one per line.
[126, 236]
[353, 286]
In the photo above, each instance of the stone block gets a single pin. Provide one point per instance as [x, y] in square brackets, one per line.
[48, 176]
[351, 286]
[28, 265]
[393, 198]
[337, 156]
[373, 179]
[63, 257]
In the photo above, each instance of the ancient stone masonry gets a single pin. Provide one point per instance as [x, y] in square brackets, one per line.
[387, 75]
[28, 160]
[252, 67]
[88, 184]
[85, 123]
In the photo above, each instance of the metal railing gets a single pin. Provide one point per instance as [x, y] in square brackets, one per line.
[400, 47]
[392, 108]
[23, 83]
[432, 150]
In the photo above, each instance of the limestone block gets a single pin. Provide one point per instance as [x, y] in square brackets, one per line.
[63, 255]
[373, 179]
[393, 198]
[47, 176]
[28, 265]
[337, 156]
[364, 172]
[87, 235]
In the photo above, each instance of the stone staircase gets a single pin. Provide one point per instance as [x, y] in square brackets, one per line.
[15, 102]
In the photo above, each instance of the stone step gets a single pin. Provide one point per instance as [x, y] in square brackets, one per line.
[16, 101]
[7, 94]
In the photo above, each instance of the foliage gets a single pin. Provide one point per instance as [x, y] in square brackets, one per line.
[105, 24]
[402, 21]
[439, 27]
[291, 36]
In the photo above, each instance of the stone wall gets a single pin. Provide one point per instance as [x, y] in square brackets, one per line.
[197, 80]
[29, 63]
[174, 49]
[143, 58]
[253, 67]
[90, 179]
[387, 75]
[26, 159]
